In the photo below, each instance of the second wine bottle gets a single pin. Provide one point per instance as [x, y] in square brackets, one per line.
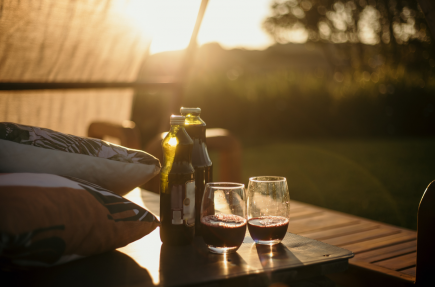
[201, 162]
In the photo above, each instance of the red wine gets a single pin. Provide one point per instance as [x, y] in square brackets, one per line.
[223, 230]
[266, 228]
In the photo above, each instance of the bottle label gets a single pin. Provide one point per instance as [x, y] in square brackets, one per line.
[183, 203]
[177, 204]
[189, 204]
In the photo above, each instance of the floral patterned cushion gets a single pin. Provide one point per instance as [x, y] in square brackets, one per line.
[32, 149]
[47, 220]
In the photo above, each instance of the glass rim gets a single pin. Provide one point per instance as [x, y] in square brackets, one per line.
[267, 178]
[225, 185]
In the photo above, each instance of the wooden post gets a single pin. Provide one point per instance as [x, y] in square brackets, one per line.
[185, 67]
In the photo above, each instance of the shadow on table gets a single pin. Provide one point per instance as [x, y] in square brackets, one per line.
[108, 269]
[272, 257]
[195, 264]
[270, 253]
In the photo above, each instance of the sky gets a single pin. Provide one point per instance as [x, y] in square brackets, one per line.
[236, 23]
[231, 23]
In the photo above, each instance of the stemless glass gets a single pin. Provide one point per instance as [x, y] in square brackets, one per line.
[223, 216]
[268, 201]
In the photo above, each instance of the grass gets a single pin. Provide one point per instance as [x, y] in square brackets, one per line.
[380, 179]
[389, 102]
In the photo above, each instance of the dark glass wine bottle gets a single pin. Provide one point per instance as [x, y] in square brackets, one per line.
[201, 162]
[177, 186]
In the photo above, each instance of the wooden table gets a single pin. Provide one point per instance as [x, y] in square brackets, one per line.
[146, 262]
[295, 259]
[384, 254]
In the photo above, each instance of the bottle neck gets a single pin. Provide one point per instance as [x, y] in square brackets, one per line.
[173, 130]
[195, 126]
[184, 144]
[193, 119]
[177, 149]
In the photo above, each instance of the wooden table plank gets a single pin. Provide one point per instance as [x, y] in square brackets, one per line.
[361, 236]
[350, 216]
[388, 252]
[400, 262]
[340, 231]
[297, 204]
[367, 274]
[316, 214]
[318, 222]
[296, 210]
[305, 214]
[380, 242]
[384, 247]
[410, 271]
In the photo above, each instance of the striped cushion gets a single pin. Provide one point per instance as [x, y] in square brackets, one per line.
[48, 220]
[38, 150]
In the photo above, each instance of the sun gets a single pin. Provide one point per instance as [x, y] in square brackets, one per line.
[170, 23]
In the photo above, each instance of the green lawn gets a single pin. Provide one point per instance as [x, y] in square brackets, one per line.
[377, 179]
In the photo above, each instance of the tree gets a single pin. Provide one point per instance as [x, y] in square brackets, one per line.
[368, 22]
[390, 23]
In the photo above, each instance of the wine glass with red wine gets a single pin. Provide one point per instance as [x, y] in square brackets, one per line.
[268, 208]
[223, 216]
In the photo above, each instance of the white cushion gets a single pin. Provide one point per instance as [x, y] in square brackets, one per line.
[37, 150]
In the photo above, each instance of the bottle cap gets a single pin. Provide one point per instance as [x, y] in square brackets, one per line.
[177, 120]
[185, 111]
